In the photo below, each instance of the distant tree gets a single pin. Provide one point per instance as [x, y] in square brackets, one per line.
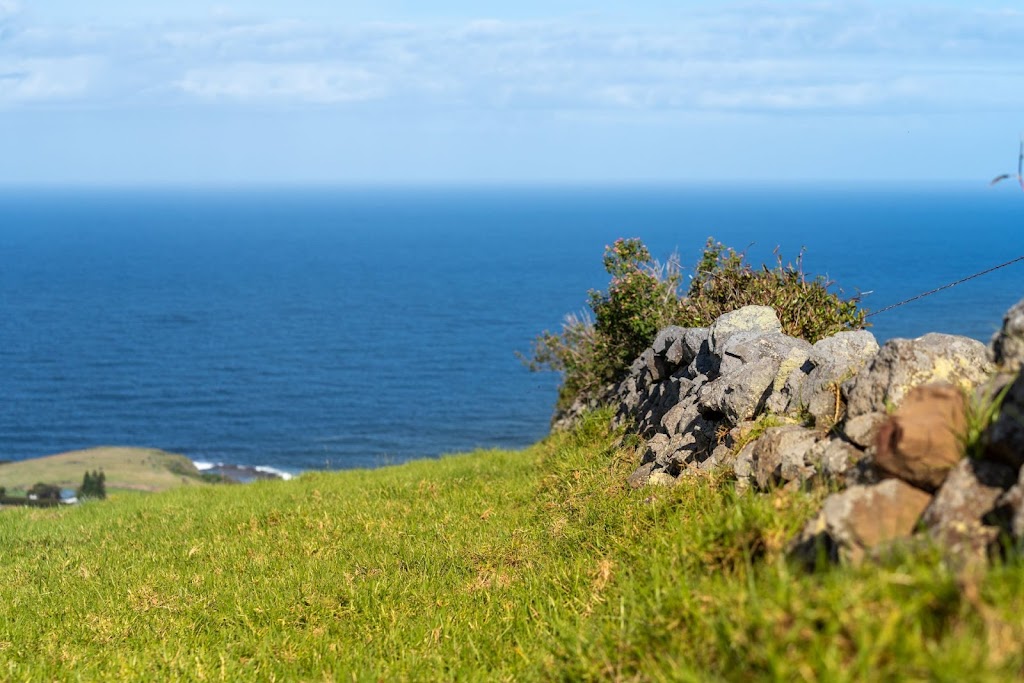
[3, 492]
[43, 491]
[93, 485]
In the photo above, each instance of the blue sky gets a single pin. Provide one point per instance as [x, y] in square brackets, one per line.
[452, 91]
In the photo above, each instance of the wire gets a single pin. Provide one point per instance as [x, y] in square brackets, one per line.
[939, 289]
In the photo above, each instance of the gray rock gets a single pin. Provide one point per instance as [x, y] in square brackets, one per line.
[780, 455]
[739, 395]
[743, 465]
[861, 519]
[757, 319]
[903, 364]
[862, 429]
[833, 458]
[1005, 437]
[640, 475]
[1008, 343]
[661, 479]
[789, 380]
[831, 362]
[678, 346]
[1009, 510]
[955, 516]
[750, 371]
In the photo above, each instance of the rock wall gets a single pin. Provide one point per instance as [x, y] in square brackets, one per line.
[886, 424]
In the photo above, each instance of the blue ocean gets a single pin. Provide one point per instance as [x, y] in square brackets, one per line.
[336, 328]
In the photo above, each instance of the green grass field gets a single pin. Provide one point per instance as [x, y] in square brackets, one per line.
[532, 565]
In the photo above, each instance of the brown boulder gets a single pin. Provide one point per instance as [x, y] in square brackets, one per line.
[860, 519]
[955, 515]
[923, 439]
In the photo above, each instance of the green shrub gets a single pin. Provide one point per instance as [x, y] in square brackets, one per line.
[807, 308]
[643, 297]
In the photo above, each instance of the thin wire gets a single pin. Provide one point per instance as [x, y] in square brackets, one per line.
[939, 289]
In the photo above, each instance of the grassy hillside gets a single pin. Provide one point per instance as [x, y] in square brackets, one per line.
[533, 565]
[134, 469]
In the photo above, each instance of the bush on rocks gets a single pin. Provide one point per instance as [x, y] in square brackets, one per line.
[643, 298]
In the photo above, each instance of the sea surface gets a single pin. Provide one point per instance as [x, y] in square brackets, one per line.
[334, 328]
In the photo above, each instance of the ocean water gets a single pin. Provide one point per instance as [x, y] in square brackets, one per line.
[335, 328]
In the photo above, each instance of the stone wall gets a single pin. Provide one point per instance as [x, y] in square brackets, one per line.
[885, 425]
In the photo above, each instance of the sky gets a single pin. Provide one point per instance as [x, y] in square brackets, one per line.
[119, 92]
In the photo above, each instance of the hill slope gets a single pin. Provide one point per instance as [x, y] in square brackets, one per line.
[533, 565]
[135, 469]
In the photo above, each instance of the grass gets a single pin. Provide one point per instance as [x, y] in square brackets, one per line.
[126, 469]
[532, 565]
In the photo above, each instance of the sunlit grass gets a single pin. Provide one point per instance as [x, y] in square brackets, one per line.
[533, 565]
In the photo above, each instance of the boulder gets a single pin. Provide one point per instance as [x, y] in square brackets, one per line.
[738, 396]
[1008, 343]
[1005, 437]
[903, 364]
[678, 346]
[780, 455]
[830, 362]
[750, 369]
[923, 439]
[756, 319]
[1009, 510]
[955, 515]
[860, 519]
[862, 430]
[833, 458]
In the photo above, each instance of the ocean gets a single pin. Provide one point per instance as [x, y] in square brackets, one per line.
[324, 328]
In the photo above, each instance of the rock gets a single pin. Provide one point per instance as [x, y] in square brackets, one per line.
[923, 440]
[661, 479]
[1009, 510]
[860, 519]
[955, 515]
[833, 458]
[640, 476]
[903, 364]
[788, 380]
[1008, 343]
[739, 395]
[779, 455]
[747, 348]
[831, 362]
[749, 371]
[678, 346]
[757, 319]
[743, 466]
[863, 429]
[1005, 437]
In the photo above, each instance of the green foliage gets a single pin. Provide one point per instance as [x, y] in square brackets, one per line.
[981, 409]
[94, 485]
[537, 565]
[42, 491]
[807, 308]
[643, 297]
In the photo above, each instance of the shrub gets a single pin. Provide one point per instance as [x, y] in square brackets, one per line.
[807, 308]
[643, 297]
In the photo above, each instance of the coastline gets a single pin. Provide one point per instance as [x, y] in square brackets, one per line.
[146, 470]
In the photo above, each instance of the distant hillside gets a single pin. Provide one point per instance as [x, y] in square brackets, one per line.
[136, 469]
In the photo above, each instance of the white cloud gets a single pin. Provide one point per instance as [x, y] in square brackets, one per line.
[30, 81]
[849, 57]
[310, 82]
